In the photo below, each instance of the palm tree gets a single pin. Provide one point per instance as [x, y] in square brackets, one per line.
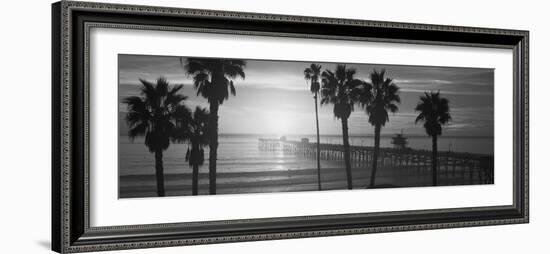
[153, 115]
[192, 128]
[340, 89]
[383, 97]
[198, 138]
[313, 74]
[434, 112]
[213, 79]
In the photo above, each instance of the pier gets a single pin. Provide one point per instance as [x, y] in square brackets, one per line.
[454, 168]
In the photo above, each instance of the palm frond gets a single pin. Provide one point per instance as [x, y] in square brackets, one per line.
[200, 79]
[384, 97]
[434, 111]
[194, 65]
[156, 113]
[148, 90]
[213, 78]
[314, 87]
[308, 73]
[162, 87]
[234, 68]
[232, 88]
[341, 89]
[138, 130]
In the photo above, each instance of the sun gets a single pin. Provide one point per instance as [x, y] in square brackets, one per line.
[279, 124]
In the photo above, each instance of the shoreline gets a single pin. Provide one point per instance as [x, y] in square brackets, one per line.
[133, 186]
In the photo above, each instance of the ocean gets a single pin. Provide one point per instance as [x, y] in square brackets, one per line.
[241, 162]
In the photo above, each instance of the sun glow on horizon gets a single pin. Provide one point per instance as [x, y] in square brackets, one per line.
[280, 124]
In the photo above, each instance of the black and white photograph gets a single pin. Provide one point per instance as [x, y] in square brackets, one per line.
[202, 126]
[273, 127]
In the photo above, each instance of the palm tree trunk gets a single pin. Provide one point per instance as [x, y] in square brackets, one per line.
[346, 152]
[318, 145]
[213, 144]
[195, 179]
[375, 156]
[194, 159]
[159, 170]
[434, 160]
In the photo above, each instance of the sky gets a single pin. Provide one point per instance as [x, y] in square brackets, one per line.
[274, 98]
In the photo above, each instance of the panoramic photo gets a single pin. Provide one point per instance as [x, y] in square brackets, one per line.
[210, 126]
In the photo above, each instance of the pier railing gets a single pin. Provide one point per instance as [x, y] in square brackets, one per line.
[455, 167]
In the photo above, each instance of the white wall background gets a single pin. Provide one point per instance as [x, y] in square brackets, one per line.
[25, 125]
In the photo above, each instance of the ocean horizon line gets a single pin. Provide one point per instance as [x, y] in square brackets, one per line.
[275, 135]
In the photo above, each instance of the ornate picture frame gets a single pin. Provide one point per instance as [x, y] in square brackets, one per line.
[71, 24]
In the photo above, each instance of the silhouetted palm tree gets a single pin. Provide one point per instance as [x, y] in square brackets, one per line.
[383, 97]
[213, 79]
[434, 112]
[340, 89]
[313, 74]
[193, 128]
[153, 115]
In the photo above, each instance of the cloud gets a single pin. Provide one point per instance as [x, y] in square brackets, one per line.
[277, 90]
